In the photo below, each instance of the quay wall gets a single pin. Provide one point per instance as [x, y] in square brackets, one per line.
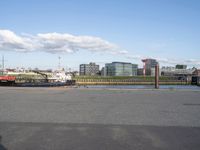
[137, 80]
[130, 83]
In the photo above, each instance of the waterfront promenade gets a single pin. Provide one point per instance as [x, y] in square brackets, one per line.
[100, 119]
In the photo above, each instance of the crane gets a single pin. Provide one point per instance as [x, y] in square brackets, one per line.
[43, 74]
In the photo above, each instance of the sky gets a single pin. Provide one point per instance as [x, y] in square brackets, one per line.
[34, 33]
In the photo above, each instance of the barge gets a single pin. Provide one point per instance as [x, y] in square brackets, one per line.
[11, 81]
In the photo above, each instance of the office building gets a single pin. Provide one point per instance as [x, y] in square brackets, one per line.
[90, 69]
[140, 71]
[181, 66]
[148, 66]
[177, 71]
[120, 69]
[103, 71]
[196, 72]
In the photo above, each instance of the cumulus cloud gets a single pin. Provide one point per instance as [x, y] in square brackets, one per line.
[55, 43]
[10, 41]
[67, 43]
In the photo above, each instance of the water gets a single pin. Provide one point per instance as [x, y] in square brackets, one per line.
[192, 87]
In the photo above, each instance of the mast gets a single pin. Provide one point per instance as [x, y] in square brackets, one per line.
[2, 67]
[3, 62]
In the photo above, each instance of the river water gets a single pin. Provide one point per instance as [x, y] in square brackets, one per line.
[191, 87]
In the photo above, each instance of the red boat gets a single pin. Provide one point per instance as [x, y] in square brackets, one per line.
[7, 80]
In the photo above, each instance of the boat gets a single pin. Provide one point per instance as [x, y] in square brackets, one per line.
[45, 84]
[59, 78]
[7, 80]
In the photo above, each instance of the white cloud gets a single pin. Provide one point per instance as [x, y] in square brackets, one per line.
[11, 42]
[55, 43]
[67, 43]
[168, 61]
[128, 56]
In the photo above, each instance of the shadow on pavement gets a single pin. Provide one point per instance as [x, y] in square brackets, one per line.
[54, 136]
[1, 145]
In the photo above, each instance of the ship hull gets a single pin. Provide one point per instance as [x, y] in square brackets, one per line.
[39, 84]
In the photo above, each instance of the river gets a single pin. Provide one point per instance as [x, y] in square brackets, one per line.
[191, 87]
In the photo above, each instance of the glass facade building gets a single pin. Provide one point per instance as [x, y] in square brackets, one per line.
[120, 69]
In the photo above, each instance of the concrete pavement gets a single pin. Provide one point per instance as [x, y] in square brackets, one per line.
[60, 118]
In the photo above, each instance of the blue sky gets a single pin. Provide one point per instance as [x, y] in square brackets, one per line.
[168, 30]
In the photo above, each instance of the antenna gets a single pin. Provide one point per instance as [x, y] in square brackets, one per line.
[3, 62]
[59, 62]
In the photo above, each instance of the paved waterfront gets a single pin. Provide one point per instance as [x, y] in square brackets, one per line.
[83, 119]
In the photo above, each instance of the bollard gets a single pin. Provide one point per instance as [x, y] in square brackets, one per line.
[157, 76]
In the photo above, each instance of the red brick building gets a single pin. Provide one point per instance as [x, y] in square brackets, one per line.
[196, 72]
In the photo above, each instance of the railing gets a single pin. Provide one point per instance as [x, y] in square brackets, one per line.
[129, 81]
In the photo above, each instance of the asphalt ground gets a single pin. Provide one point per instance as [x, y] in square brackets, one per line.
[101, 119]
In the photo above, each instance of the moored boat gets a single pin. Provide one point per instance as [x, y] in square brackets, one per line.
[7, 80]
